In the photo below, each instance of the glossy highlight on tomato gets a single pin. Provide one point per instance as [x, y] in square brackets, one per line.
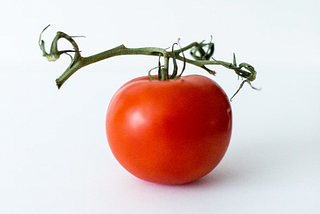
[169, 132]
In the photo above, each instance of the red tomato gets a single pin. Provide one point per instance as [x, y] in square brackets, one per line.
[169, 132]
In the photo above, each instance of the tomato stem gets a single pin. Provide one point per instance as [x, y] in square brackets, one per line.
[202, 58]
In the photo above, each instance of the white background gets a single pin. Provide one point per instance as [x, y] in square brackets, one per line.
[54, 156]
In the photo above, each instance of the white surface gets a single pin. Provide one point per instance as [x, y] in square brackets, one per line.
[54, 157]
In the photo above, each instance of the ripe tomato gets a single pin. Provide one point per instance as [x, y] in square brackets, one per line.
[169, 132]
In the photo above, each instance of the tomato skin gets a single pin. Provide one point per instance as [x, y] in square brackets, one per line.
[169, 132]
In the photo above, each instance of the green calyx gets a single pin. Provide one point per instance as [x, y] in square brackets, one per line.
[163, 73]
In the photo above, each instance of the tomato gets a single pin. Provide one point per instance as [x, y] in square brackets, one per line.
[169, 132]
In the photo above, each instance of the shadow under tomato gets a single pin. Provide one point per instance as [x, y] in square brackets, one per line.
[215, 178]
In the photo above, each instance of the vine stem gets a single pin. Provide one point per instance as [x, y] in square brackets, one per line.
[117, 51]
[201, 60]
